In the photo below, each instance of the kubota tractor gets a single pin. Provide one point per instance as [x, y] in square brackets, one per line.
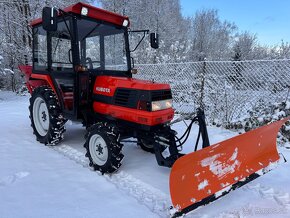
[82, 71]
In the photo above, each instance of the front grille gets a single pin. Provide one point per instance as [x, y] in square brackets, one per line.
[124, 97]
[161, 95]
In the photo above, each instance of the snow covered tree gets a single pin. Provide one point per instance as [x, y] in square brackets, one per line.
[211, 38]
[284, 50]
[163, 17]
[245, 45]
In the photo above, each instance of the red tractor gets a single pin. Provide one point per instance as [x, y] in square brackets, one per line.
[82, 71]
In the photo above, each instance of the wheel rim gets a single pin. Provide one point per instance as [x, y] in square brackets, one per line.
[98, 149]
[40, 116]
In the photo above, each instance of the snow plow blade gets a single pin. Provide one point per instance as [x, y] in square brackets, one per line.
[203, 176]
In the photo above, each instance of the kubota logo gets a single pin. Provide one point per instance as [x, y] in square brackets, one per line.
[102, 89]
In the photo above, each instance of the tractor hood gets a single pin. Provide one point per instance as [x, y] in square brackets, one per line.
[107, 85]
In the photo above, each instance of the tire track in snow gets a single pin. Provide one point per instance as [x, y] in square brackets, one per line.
[155, 200]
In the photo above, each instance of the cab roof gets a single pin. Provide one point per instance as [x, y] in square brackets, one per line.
[93, 12]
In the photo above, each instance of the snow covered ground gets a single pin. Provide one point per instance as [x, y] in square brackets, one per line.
[40, 181]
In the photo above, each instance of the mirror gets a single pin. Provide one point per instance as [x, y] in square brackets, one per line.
[154, 41]
[49, 16]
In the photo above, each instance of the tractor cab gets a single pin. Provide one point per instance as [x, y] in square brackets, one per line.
[81, 37]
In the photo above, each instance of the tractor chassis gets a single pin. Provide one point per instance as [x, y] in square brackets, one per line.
[161, 136]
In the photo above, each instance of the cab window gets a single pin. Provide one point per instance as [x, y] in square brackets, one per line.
[61, 53]
[40, 49]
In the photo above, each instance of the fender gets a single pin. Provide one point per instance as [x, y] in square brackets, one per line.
[34, 80]
[45, 78]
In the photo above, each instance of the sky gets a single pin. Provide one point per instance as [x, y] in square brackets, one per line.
[269, 19]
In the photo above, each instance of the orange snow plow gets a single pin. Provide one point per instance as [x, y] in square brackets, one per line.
[203, 176]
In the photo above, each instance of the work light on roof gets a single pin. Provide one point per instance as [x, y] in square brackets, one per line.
[84, 11]
[125, 23]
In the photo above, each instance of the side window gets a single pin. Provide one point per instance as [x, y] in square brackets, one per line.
[115, 55]
[61, 48]
[40, 49]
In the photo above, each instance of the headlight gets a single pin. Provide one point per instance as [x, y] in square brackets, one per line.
[161, 105]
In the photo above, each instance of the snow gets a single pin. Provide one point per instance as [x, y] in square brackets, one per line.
[278, 115]
[36, 181]
[202, 185]
[6, 70]
[40, 181]
[219, 193]
[287, 107]
[221, 169]
[235, 155]
[193, 200]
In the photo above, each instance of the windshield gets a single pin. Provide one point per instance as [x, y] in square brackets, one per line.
[102, 47]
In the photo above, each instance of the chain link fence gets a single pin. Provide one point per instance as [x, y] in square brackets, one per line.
[225, 89]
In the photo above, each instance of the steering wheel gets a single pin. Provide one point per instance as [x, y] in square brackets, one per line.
[90, 63]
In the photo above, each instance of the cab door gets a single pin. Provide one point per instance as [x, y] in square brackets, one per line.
[61, 66]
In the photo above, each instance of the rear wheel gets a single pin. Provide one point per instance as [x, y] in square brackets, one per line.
[46, 118]
[146, 145]
[103, 148]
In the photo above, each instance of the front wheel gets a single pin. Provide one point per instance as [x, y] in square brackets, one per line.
[103, 148]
